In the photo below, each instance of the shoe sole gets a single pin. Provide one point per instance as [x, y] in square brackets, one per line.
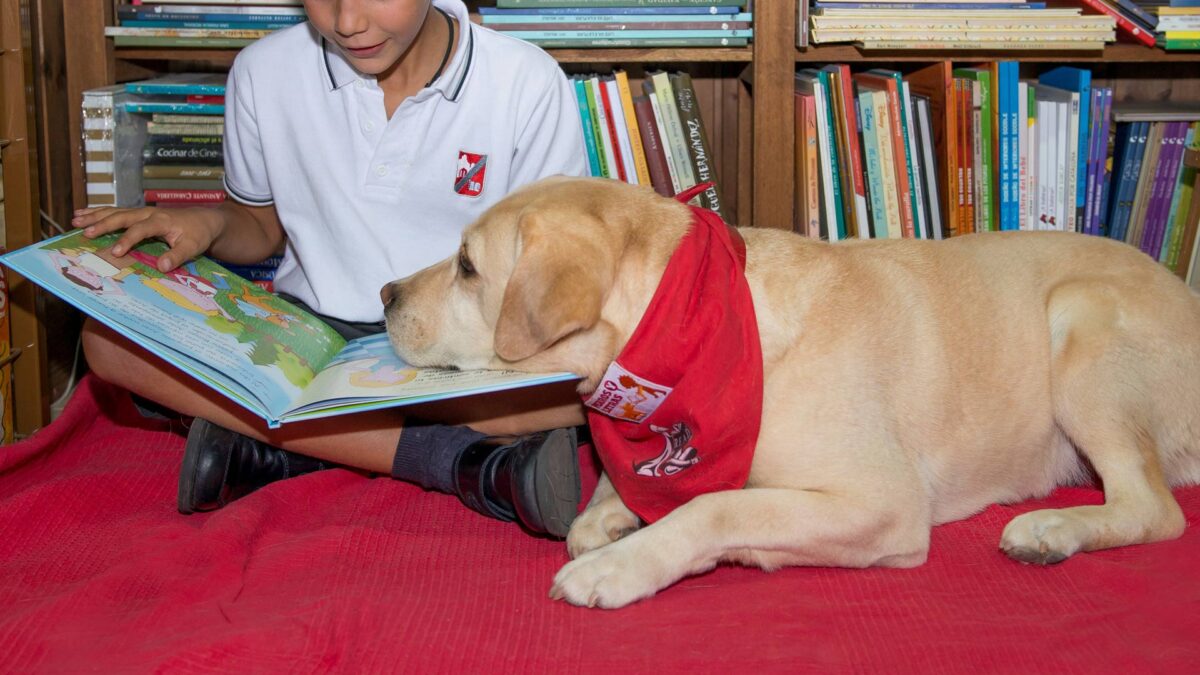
[558, 466]
[185, 497]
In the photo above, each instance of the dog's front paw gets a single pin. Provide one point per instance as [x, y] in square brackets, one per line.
[1043, 537]
[610, 577]
[600, 525]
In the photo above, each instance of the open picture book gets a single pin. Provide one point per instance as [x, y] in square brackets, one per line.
[260, 351]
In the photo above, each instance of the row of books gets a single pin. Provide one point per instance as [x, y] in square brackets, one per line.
[162, 144]
[940, 152]
[970, 25]
[1173, 25]
[211, 24]
[656, 137]
[583, 24]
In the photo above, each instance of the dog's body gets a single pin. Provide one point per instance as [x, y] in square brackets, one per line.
[907, 383]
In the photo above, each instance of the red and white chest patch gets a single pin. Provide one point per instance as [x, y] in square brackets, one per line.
[469, 173]
[625, 396]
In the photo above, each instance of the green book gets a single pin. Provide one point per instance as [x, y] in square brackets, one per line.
[194, 42]
[1182, 201]
[835, 159]
[246, 344]
[598, 131]
[986, 207]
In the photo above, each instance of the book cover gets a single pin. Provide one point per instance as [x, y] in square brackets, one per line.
[250, 346]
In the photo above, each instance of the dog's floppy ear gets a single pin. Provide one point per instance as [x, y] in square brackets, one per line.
[558, 286]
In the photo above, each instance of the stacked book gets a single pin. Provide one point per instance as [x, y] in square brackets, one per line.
[1179, 25]
[571, 24]
[959, 24]
[655, 137]
[219, 24]
[944, 151]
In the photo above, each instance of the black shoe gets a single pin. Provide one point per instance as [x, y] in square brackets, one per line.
[534, 481]
[220, 466]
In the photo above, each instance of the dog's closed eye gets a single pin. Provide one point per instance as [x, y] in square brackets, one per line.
[464, 264]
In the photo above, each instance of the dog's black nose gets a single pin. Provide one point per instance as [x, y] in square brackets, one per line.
[388, 293]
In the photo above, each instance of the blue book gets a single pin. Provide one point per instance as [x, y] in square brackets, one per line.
[589, 136]
[1103, 181]
[248, 25]
[1108, 202]
[1077, 80]
[1008, 144]
[627, 34]
[1129, 179]
[713, 9]
[177, 107]
[198, 84]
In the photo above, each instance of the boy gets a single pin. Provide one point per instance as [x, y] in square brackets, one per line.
[360, 144]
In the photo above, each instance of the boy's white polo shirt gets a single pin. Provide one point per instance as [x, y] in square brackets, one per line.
[366, 200]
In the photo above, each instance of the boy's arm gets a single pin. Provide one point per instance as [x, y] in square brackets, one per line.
[234, 232]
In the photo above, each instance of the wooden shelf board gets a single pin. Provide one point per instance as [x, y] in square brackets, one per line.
[661, 55]
[1114, 53]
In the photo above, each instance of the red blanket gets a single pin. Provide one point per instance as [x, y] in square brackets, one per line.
[335, 571]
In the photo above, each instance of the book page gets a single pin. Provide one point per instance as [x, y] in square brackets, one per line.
[368, 374]
[200, 310]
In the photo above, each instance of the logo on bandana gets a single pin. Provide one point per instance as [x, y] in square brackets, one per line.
[468, 176]
[625, 396]
[676, 456]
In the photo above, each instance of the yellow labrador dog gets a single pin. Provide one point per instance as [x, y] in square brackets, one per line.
[907, 383]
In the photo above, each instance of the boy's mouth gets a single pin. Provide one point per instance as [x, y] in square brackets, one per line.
[363, 52]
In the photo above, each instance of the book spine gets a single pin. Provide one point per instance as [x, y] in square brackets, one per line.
[1104, 180]
[628, 33]
[191, 196]
[656, 161]
[837, 125]
[591, 89]
[837, 227]
[885, 135]
[600, 19]
[612, 143]
[1184, 191]
[618, 116]
[697, 141]
[635, 137]
[854, 150]
[589, 135]
[665, 96]
[181, 171]
[1173, 195]
[184, 153]
[871, 152]
[580, 43]
[524, 4]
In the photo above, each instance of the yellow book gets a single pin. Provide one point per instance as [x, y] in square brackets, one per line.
[635, 136]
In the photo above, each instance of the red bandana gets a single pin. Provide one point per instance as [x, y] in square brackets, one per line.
[677, 414]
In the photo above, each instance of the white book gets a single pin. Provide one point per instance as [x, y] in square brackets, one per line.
[626, 149]
[1072, 168]
[920, 225]
[666, 147]
[981, 215]
[1063, 140]
[1023, 155]
[1045, 122]
[606, 139]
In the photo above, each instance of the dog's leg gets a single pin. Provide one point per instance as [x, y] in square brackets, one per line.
[605, 520]
[770, 527]
[1105, 402]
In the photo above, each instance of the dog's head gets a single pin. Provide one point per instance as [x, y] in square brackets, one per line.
[554, 277]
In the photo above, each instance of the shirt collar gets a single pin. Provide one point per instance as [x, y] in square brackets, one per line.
[450, 83]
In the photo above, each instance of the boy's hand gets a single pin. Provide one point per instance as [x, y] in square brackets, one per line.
[187, 231]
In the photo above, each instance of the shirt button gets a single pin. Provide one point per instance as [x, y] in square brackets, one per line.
[381, 170]
[369, 127]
